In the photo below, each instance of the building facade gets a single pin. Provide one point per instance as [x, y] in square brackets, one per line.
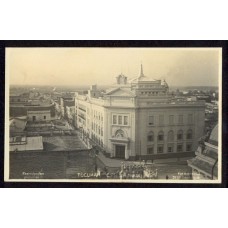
[205, 164]
[39, 115]
[137, 119]
[24, 143]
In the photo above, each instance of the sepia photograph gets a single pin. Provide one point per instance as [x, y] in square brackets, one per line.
[127, 115]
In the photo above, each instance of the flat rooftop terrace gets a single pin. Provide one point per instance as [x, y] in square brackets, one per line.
[63, 143]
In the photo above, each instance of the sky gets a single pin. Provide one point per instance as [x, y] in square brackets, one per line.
[87, 66]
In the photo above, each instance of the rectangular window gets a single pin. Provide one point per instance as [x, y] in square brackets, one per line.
[170, 148]
[161, 119]
[180, 119]
[44, 117]
[190, 118]
[151, 120]
[150, 150]
[114, 121]
[171, 119]
[179, 148]
[120, 120]
[160, 149]
[189, 147]
[125, 120]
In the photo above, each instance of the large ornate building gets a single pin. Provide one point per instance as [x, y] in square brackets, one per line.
[138, 119]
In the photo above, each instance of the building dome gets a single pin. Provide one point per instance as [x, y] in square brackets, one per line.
[214, 136]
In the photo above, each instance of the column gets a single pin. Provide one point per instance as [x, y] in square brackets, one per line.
[126, 152]
[113, 148]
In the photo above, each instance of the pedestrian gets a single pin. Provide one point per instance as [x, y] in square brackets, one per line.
[167, 177]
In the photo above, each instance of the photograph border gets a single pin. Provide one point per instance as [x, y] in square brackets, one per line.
[119, 44]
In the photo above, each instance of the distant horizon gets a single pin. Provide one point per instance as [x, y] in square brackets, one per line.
[100, 66]
[104, 85]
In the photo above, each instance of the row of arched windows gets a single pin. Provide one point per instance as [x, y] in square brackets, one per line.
[171, 135]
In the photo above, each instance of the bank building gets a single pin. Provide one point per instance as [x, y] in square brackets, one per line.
[138, 119]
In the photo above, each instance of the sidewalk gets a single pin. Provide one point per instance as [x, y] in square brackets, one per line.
[112, 162]
[171, 160]
[115, 163]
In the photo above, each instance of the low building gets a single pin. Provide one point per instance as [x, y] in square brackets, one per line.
[24, 143]
[17, 125]
[22, 109]
[206, 98]
[205, 164]
[21, 99]
[39, 115]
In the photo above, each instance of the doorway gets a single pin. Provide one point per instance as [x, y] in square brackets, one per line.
[120, 151]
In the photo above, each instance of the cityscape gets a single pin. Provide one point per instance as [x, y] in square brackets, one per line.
[135, 128]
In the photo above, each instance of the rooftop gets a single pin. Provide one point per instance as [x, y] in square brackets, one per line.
[18, 124]
[26, 143]
[142, 77]
[214, 136]
[204, 166]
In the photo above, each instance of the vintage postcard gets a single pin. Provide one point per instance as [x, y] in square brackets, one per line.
[131, 115]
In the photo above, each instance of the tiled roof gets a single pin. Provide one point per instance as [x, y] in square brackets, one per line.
[142, 79]
[203, 166]
[214, 136]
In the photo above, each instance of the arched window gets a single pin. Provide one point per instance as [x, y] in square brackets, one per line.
[160, 136]
[180, 135]
[189, 134]
[170, 136]
[119, 134]
[150, 136]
